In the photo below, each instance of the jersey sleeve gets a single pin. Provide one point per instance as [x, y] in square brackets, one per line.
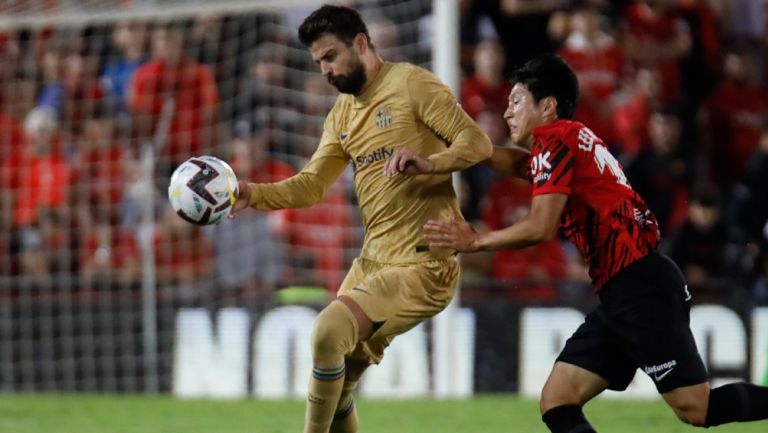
[552, 166]
[434, 104]
[309, 185]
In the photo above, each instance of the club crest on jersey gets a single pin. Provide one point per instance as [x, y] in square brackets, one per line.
[540, 167]
[383, 118]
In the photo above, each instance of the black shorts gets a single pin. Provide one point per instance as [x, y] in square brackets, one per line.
[643, 321]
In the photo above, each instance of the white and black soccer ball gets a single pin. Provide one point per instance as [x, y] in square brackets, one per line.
[203, 190]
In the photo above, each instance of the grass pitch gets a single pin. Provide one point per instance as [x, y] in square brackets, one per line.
[109, 414]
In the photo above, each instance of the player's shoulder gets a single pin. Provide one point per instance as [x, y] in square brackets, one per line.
[562, 130]
[408, 73]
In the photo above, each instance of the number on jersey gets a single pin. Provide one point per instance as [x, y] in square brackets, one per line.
[603, 158]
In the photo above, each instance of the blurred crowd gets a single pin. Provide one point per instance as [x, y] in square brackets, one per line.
[676, 88]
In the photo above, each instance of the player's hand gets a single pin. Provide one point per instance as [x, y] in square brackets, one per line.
[243, 198]
[407, 162]
[457, 235]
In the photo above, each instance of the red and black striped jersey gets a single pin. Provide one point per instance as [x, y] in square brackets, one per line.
[604, 217]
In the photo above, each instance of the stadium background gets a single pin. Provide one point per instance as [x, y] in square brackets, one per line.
[104, 290]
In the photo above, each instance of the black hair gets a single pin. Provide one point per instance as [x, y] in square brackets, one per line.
[706, 195]
[340, 21]
[549, 75]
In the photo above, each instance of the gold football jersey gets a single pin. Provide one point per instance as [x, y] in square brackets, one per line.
[405, 106]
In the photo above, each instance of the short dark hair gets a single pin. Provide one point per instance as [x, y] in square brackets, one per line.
[343, 22]
[549, 75]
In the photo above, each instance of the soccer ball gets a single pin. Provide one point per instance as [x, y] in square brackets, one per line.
[203, 190]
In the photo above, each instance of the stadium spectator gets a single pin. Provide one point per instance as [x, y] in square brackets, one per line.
[655, 37]
[598, 62]
[174, 99]
[184, 259]
[130, 40]
[260, 96]
[701, 245]
[660, 171]
[514, 21]
[528, 274]
[633, 104]
[385, 35]
[109, 255]
[204, 41]
[98, 166]
[700, 68]
[249, 251]
[732, 117]
[757, 210]
[32, 258]
[12, 148]
[486, 88]
[45, 176]
[72, 89]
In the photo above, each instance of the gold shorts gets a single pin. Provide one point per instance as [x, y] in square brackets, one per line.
[399, 295]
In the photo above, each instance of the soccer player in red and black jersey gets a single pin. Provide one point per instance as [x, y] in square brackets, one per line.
[642, 320]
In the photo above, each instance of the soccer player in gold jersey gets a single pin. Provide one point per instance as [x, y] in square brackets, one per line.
[403, 133]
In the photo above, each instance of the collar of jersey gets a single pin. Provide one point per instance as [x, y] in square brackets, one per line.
[366, 96]
[541, 130]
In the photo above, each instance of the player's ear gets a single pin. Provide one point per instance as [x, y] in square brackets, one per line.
[549, 106]
[360, 42]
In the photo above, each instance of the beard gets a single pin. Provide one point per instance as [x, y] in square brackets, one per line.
[352, 82]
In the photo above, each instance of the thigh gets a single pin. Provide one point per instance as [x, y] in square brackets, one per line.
[398, 297]
[595, 348]
[570, 384]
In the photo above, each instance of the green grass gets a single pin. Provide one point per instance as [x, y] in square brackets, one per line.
[109, 414]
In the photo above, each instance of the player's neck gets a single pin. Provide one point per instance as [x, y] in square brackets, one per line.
[373, 66]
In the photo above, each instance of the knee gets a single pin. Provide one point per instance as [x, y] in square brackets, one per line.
[552, 397]
[692, 414]
[334, 332]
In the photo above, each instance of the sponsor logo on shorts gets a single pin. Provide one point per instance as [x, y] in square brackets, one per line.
[660, 371]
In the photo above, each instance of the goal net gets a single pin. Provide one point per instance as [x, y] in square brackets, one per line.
[94, 266]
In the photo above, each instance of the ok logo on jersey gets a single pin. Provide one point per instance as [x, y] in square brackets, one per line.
[541, 167]
[540, 162]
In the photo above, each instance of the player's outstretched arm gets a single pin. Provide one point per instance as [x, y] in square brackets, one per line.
[540, 225]
[509, 161]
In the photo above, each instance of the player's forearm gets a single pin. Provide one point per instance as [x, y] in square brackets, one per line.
[509, 161]
[470, 147]
[523, 234]
[302, 190]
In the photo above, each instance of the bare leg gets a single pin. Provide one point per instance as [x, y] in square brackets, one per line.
[567, 389]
